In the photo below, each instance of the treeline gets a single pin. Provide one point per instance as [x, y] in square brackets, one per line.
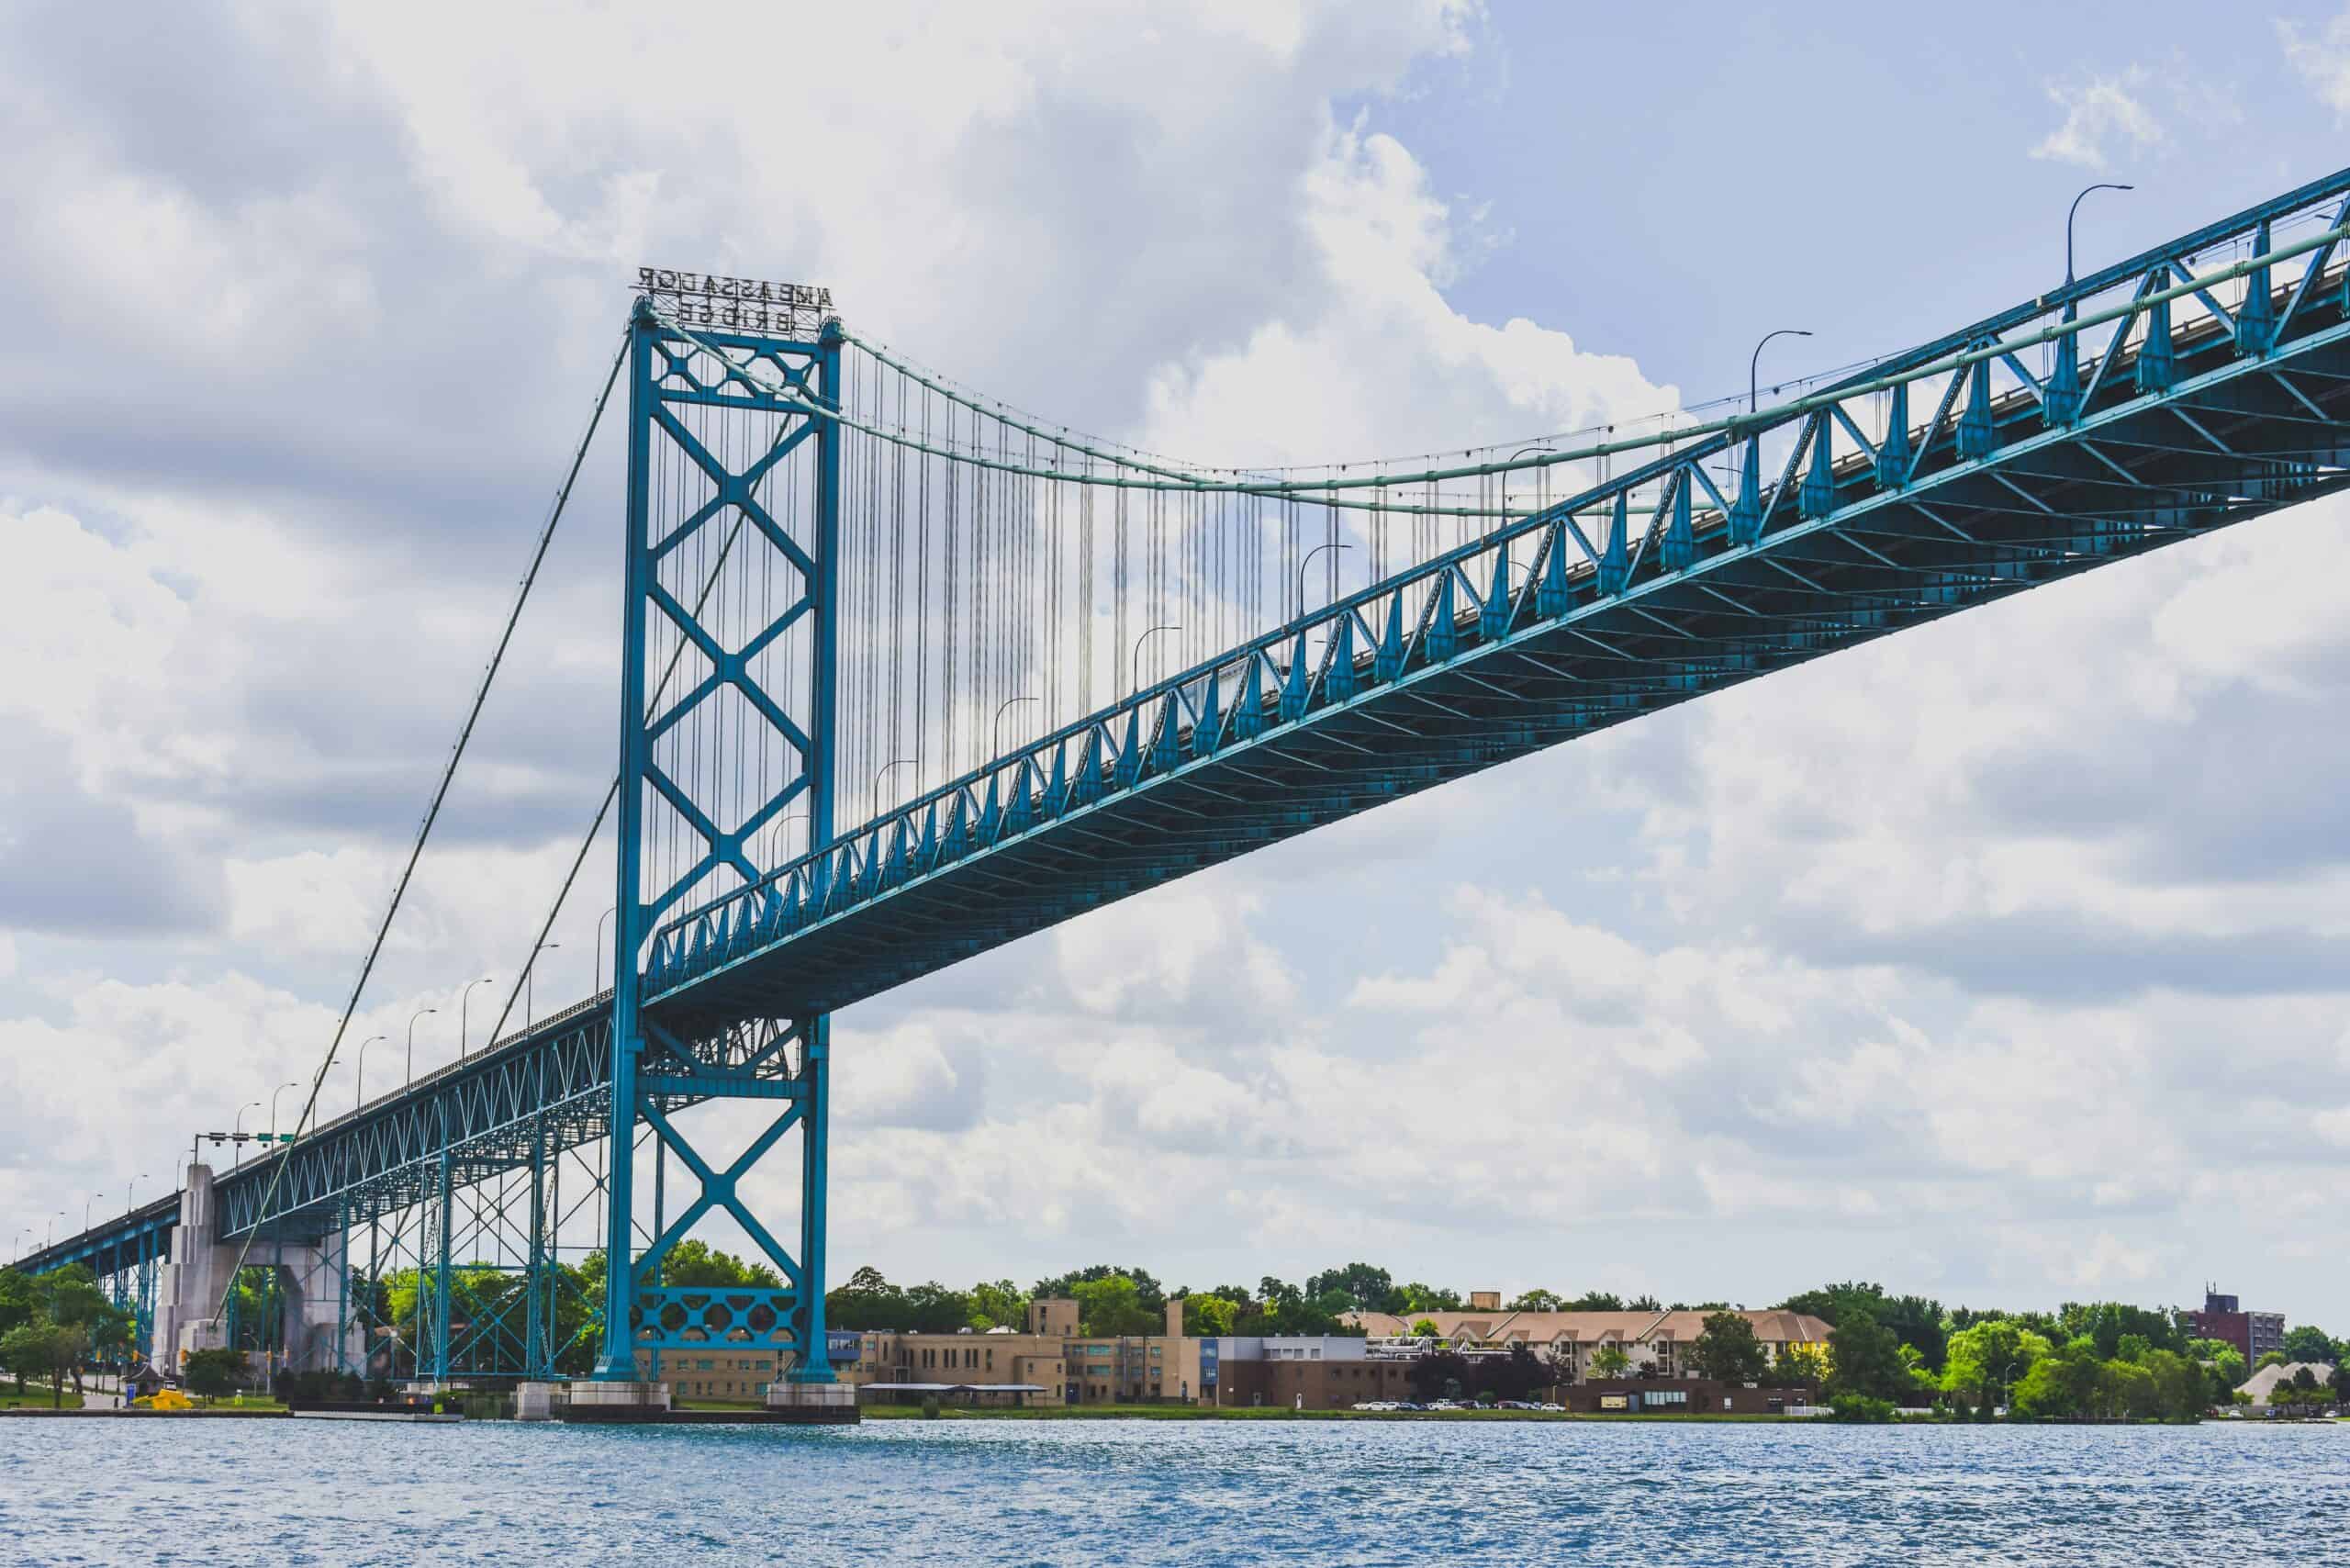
[50, 1324]
[1112, 1298]
[2101, 1359]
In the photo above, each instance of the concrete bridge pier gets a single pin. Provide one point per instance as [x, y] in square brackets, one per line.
[189, 1287]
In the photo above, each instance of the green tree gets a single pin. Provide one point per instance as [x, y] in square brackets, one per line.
[693, 1262]
[2271, 1358]
[1147, 1291]
[2104, 1323]
[1287, 1309]
[1801, 1361]
[41, 1346]
[934, 1308]
[2069, 1381]
[1425, 1328]
[1727, 1350]
[866, 1301]
[1416, 1297]
[1539, 1300]
[1865, 1358]
[999, 1303]
[2180, 1389]
[1210, 1316]
[1365, 1287]
[1595, 1301]
[1988, 1356]
[1113, 1306]
[2307, 1342]
[19, 1299]
[1609, 1360]
[1914, 1320]
[211, 1373]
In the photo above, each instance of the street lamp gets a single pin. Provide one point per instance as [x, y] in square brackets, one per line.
[85, 1209]
[130, 1198]
[1506, 460]
[359, 1089]
[996, 732]
[238, 1128]
[2068, 222]
[530, 976]
[1754, 362]
[273, 1107]
[61, 1214]
[883, 771]
[1307, 562]
[600, 946]
[412, 1042]
[2007, 1388]
[465, 999]
[1135, 661]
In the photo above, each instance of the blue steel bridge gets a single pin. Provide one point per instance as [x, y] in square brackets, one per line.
[910, 673]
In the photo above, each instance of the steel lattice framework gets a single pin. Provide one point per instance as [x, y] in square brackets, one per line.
[2169, 402]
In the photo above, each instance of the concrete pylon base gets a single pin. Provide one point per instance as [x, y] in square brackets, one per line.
[812, 1396]
[596, 1394]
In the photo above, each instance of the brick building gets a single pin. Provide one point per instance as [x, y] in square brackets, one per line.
[1653, 1343]
[2253, 1334]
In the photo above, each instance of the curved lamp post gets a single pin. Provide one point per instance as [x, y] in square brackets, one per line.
[1307, 562]
[273, 1107]
[411, 1041]
[1754, 362]
[465, 999]
[1135, 661]
[359, 1089]
[2103, 186]
[995, 729]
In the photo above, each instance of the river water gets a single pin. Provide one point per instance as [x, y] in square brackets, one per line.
[1162, 1492]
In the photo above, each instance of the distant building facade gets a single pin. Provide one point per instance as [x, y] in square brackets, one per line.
[1654, 1344]
[1052, 1363]
[2253, 1334]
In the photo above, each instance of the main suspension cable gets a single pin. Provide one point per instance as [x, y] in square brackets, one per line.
[432, 811]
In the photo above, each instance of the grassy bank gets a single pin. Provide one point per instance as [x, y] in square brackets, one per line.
[35, 1395]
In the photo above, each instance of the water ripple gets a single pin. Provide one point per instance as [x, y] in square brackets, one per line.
[338, 1494]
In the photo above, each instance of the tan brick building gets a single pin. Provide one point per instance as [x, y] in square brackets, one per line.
[1051, 1363]
[1658, 1339]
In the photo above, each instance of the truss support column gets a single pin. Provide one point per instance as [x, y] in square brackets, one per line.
[535, 1358]
[815, 1119]
[342, 1290]
[440, 1280]
[617, 1362]
[368, 1321]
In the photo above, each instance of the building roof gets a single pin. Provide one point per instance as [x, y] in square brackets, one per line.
[1539, 1329]
[2262, 1383]
[954, 1387]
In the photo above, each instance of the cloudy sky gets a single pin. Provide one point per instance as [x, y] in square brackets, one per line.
[2003, 961]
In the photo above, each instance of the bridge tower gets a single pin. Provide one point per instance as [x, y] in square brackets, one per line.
[727, 720]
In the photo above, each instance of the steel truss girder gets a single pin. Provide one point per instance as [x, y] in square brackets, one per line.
[1176, 783]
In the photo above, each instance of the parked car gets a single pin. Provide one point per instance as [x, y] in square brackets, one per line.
[1554, 1409]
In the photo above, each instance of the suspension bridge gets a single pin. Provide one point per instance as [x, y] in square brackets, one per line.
[909, 674]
